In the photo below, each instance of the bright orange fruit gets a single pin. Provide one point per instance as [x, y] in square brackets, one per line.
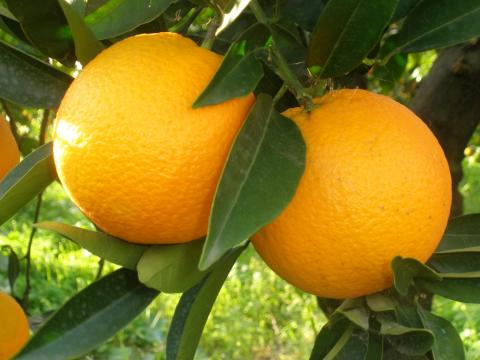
[129, 148]
[10, 156]
[14, 329]
[376, 185]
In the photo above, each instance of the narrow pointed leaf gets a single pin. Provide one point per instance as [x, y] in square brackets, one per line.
[342, 38]
[42, 22]
[117, 17]
[193, 310]
[98, 243]
[448, 345]
[456, 262]
[405, 270]
[46, 86]
[171, 268]
[329, 336]
[260, 178]
[439, 23]
[465, 290]
[462, 232]
[355, 311]
[375, 347]
[86, 44]
[4, 10]
[90, 317]
[406, 340]
[379, 303]
[26, 180]
[237, 76]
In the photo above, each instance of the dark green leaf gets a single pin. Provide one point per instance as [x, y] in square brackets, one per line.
[90, 318]
[406, 340]
[380, 303]
[462, 232]
[260, 178]
[403, 8]
[42, 22]
[458, 262]
[99, 243]
[193, 310]
[240, 71]
[117, 17]
[231, 9]
[4, 10]
[342, 38]
[26, 180]
[171, 268]
[405, 270]
[333, 336]
[46, 86]
[13, 266]
[448, 344]
[355, 311]
[303, 12]
[86, 44]
[237, 76]
[375, 347]
[439, 23]
[458, 289]
[355, 348]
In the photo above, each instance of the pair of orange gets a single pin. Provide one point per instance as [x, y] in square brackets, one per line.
[137, 159]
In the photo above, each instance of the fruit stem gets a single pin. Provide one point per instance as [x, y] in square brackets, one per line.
[283, 68]
[212, 27]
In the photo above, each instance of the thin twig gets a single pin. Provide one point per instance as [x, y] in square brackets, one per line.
[36, 215]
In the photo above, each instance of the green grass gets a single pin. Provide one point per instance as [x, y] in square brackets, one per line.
[257, 315]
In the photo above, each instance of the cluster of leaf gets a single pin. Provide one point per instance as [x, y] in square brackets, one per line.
[270, 47]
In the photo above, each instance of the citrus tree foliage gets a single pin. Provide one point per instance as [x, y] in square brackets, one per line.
[287, 52]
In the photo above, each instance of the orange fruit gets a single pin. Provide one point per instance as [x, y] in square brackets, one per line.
[14, 329]
[376, 185]
[129, 148]
[8, 148]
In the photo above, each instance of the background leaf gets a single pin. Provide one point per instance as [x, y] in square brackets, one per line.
[117, 17]
[193, 310]
[86, 44]
[439, 23]
[26, 180]
[46, 86]
[99, 243]
[171, 268]
[260, 177]
[448, 344]
[341, 40]
[90, 317]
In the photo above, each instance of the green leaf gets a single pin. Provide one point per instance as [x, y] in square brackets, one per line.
[355, 348]
[439, 23]
[193, 310]
[355, 311]
[260, 178]
[90, 317]
[403, 8]
[26, 180]
[406, 340]
[375, 347]
[303, 12]
[41, 22]
[240, 71]
[405, 270]
[98, 243]
[46, 86]
[380, 303]
[171, 268]
[333, 336]
[457, 262]
[462, 232]
[86, 44]
[342, 38]
[465, 290]
[237, 76]
[4, 10]
[13, 268]
[448, 344]
[117, 17]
